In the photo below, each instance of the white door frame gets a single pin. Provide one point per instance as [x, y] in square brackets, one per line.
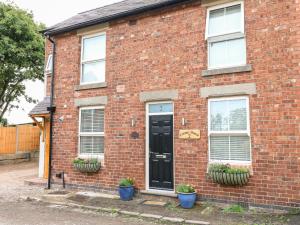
[147, 145]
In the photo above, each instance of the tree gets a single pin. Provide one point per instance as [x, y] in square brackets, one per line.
[21, 55]
[3, 122]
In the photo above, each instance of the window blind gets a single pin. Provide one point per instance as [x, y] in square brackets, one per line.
[92, 131]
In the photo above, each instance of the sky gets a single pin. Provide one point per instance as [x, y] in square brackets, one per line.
[49, 13]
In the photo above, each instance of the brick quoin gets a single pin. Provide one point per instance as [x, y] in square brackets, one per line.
[166, 49]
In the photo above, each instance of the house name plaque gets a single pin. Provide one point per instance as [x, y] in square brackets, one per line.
[189, 134]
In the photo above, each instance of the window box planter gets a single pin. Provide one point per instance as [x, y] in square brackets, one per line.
[87, 166]
[126, 189]
[186, 196]
[234, 179]
[225, 175]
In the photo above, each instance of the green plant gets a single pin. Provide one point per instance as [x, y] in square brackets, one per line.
[126, 182]
[185, 188]
[294, 211]
[234, 209]
[222, 168]
[86, 161]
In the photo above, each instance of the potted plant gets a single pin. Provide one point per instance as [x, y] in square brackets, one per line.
[227, 175]
[126, 189]
[91, 165]
[186, 195]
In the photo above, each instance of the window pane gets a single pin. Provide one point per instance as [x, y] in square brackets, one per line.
[233, 17]
[228, 115]
[236, 50]
[98, 145]
[49, 63]
[161, 108]
[238, 114]
[240, 148]
[86, 145]
[94, 48]
[219, 116]
[230, 148]
[217, 54]
[227, 53]
[98, 120]
[92, 120]
[86, 120]
[93, 72]
[219, 148]
[91, 145]
[225, 20]
[216, 22]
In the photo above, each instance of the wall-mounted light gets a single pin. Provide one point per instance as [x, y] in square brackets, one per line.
[133, 122]
[61, 119]
[183, 121]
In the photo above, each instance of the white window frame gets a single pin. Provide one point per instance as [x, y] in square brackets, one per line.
[148, 114]
[85, 134]
[242, 30]
[82, 62]
[246, 132]
[225, 36]
[49, 65]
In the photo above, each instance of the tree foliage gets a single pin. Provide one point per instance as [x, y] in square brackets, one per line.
[21, 55]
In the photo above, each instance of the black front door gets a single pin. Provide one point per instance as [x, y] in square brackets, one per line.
[161, 152]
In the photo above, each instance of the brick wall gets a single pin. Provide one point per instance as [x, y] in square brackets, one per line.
[166, 49]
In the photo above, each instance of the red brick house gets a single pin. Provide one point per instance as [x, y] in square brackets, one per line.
[159, 89]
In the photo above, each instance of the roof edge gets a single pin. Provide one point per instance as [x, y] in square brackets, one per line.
[113, 17]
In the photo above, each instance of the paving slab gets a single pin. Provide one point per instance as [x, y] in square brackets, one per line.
[151, 216]
[154, 203]
[196, 222]
[173, 219]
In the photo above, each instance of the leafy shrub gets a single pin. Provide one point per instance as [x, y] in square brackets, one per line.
[185, 188]
[222, 168]
[86, 161]
[126, 182]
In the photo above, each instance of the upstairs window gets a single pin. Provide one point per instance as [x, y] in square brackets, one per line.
[49, 65]
[93, 54]
[225, 36]
[91, 133]
[229, 129]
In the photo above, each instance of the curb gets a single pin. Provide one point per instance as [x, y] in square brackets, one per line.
[174, 220]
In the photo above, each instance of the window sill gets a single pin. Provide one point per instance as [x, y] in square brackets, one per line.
[90, 86]
[99, 157]
[235, 69]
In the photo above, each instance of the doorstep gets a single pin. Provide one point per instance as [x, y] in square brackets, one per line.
[159, 193]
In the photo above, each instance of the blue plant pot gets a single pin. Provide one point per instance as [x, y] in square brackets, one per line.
[187, 200]
[126, 193]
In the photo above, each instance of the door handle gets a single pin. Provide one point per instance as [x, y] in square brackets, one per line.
[160, 156]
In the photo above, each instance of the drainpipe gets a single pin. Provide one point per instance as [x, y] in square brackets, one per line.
[51, 108]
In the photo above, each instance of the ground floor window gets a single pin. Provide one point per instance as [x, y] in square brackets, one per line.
[91, 131]
[229, 129]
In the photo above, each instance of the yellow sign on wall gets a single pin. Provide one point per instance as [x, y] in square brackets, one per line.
[189, 134]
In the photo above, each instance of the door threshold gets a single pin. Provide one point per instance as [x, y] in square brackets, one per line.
[159, 193]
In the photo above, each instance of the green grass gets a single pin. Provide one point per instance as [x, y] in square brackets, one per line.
[294, 211]
[234, 209]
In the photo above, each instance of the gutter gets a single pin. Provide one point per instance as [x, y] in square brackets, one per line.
[51, 108]
[112, 17]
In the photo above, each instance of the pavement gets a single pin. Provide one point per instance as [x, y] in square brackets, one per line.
[15, 211]
[22, 204]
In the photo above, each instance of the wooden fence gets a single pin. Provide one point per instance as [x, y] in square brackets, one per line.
[19, 139]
